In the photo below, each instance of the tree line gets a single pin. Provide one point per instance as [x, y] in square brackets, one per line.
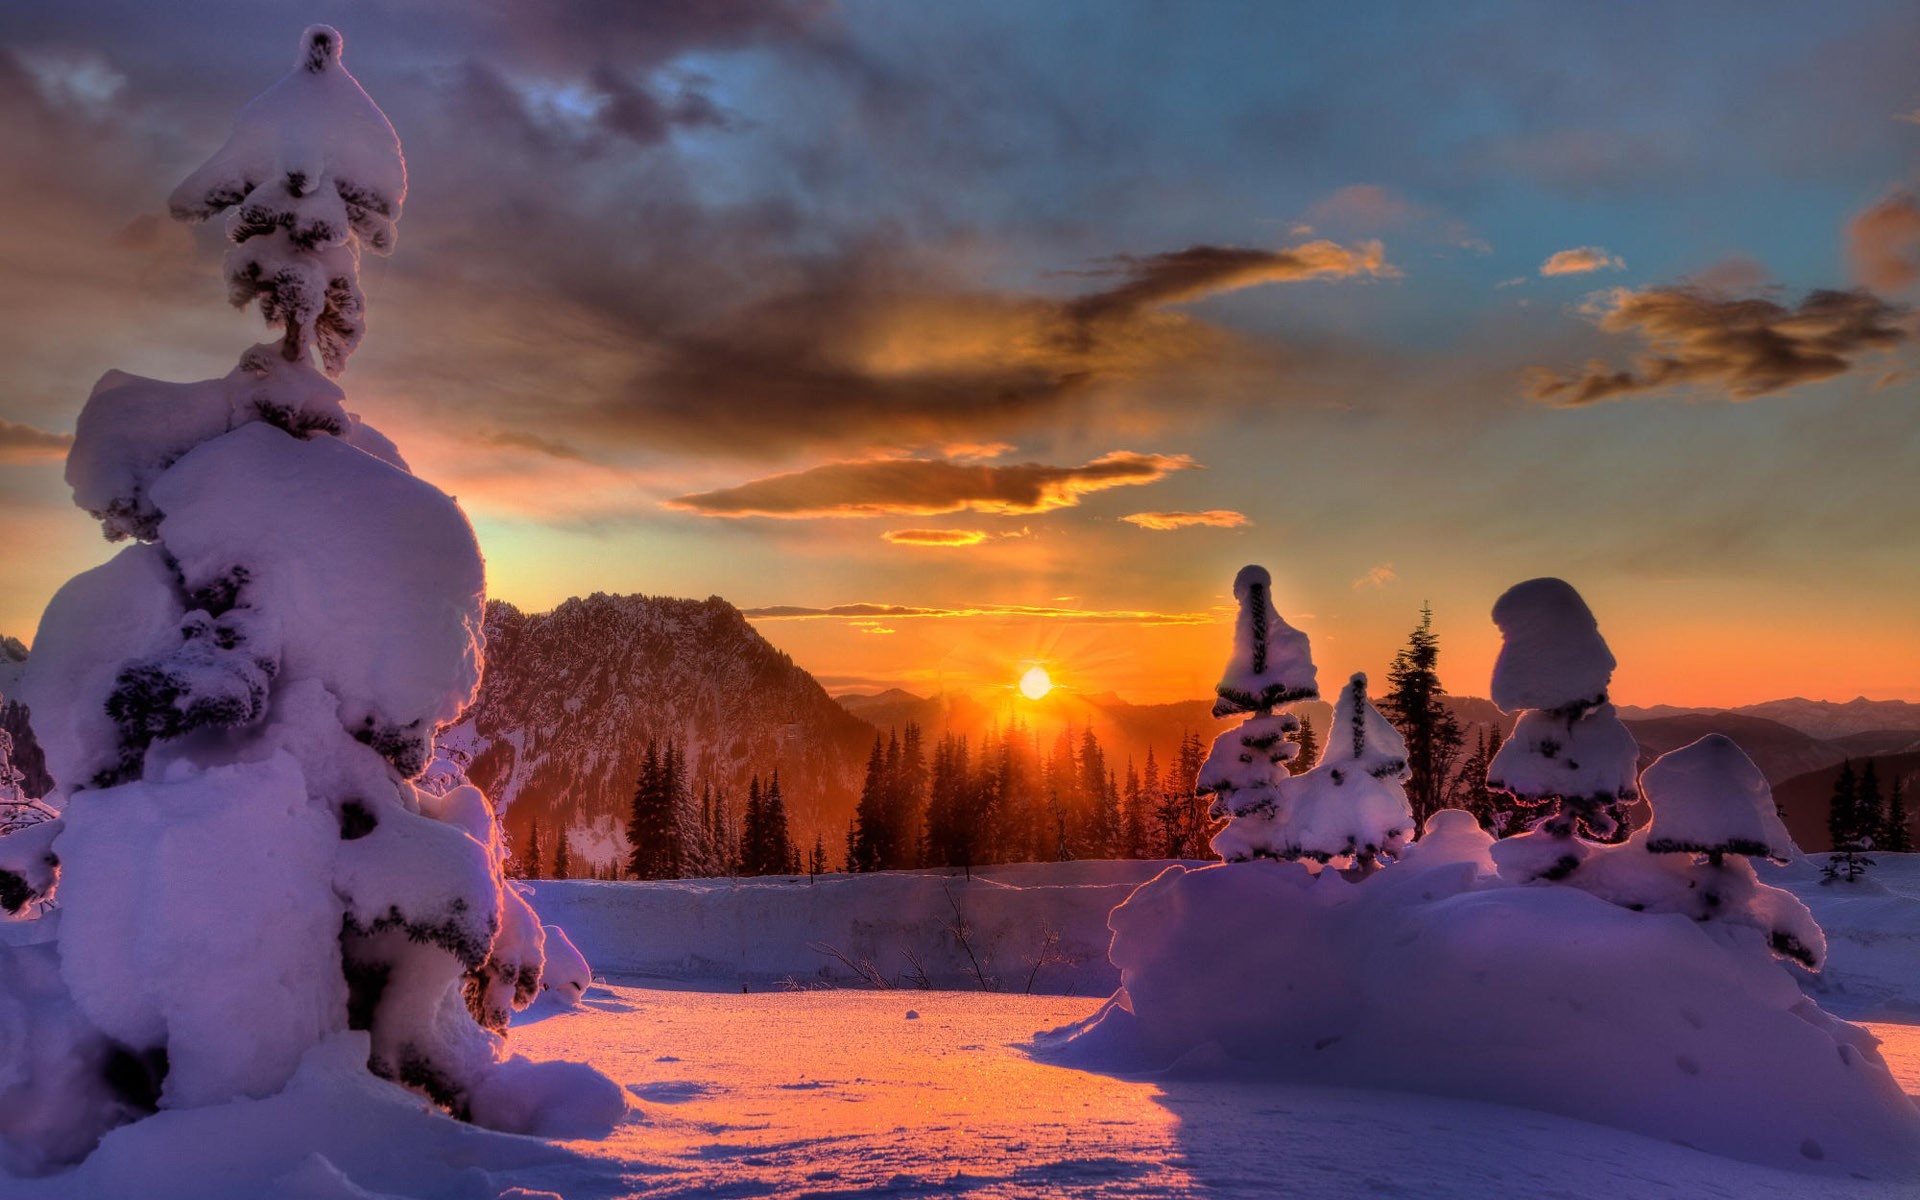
[1006, 797]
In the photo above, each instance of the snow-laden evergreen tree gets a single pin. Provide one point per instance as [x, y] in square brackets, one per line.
[236, 708]
[1271, 665]
[1569, 754]
[1350, 809]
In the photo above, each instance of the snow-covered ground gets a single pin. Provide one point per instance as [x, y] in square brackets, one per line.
[806, 1088]
[898, 1094]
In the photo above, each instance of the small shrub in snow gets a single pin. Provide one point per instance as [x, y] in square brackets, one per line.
[234, 711]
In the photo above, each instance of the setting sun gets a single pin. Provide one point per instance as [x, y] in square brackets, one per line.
[1035, 683]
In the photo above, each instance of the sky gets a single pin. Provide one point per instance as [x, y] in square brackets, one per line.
[947, 339]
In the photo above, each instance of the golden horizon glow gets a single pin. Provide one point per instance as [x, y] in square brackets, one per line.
[1036, 683]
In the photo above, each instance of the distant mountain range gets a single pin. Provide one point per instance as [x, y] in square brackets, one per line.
[570, 699]
[1824, 719]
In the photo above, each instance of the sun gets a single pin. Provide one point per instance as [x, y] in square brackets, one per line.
[1035, 683]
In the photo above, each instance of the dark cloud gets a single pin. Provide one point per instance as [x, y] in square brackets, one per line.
[24, 444]
[861, 350]
[927, 486]
[1883, 243]
[1179, 276]
[1746, 346]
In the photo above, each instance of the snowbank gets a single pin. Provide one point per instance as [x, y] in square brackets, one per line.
[1433, 976]
[769, 932]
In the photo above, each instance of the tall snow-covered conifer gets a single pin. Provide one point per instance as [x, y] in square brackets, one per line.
[235, 708]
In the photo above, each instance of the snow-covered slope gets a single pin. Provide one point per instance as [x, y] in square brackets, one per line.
[570, 698]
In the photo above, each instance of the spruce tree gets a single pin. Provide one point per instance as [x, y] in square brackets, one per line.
[562, 856]
[1870, 807]
[1309, 752]
[1897, 836]
[779, 855]
[653, 829]
[1133, 808]
[1848, 827]
[531, 868]
[753, 830]
[867, 839]
[1414, 702]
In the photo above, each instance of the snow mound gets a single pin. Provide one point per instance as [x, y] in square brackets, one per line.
[1433, 977]
[1553, 656]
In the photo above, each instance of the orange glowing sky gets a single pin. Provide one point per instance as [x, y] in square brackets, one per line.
[944, 360]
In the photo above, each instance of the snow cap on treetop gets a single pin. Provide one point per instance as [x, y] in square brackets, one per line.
[1710, 797]
[1553, 657]
[316, 119]
[1272, 662]
[1361, 738]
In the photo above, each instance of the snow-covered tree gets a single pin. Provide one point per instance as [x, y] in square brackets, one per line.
[1715, 808]
[1569, 753]
[1272, 663]
[1350, 806]
[235, 709]
[1353, 805]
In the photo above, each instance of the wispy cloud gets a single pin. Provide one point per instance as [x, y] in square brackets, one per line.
[935, 537]
[1746, 346]
[1217, 518]
[857, 613]
[1883, 242]
[25, 444]
[1581, 260]
[1378, 576]
[928, 487]
[1370, 208]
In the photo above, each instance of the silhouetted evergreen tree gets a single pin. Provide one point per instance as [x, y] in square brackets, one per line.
[1897, 836]
[867, 841]
[1845, 826]
[530, 866]
[1309, 753]
[780, 856]
[1870, 807]
[1415, 706]
[1134, 815]
[562, 856]
[654, 828]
